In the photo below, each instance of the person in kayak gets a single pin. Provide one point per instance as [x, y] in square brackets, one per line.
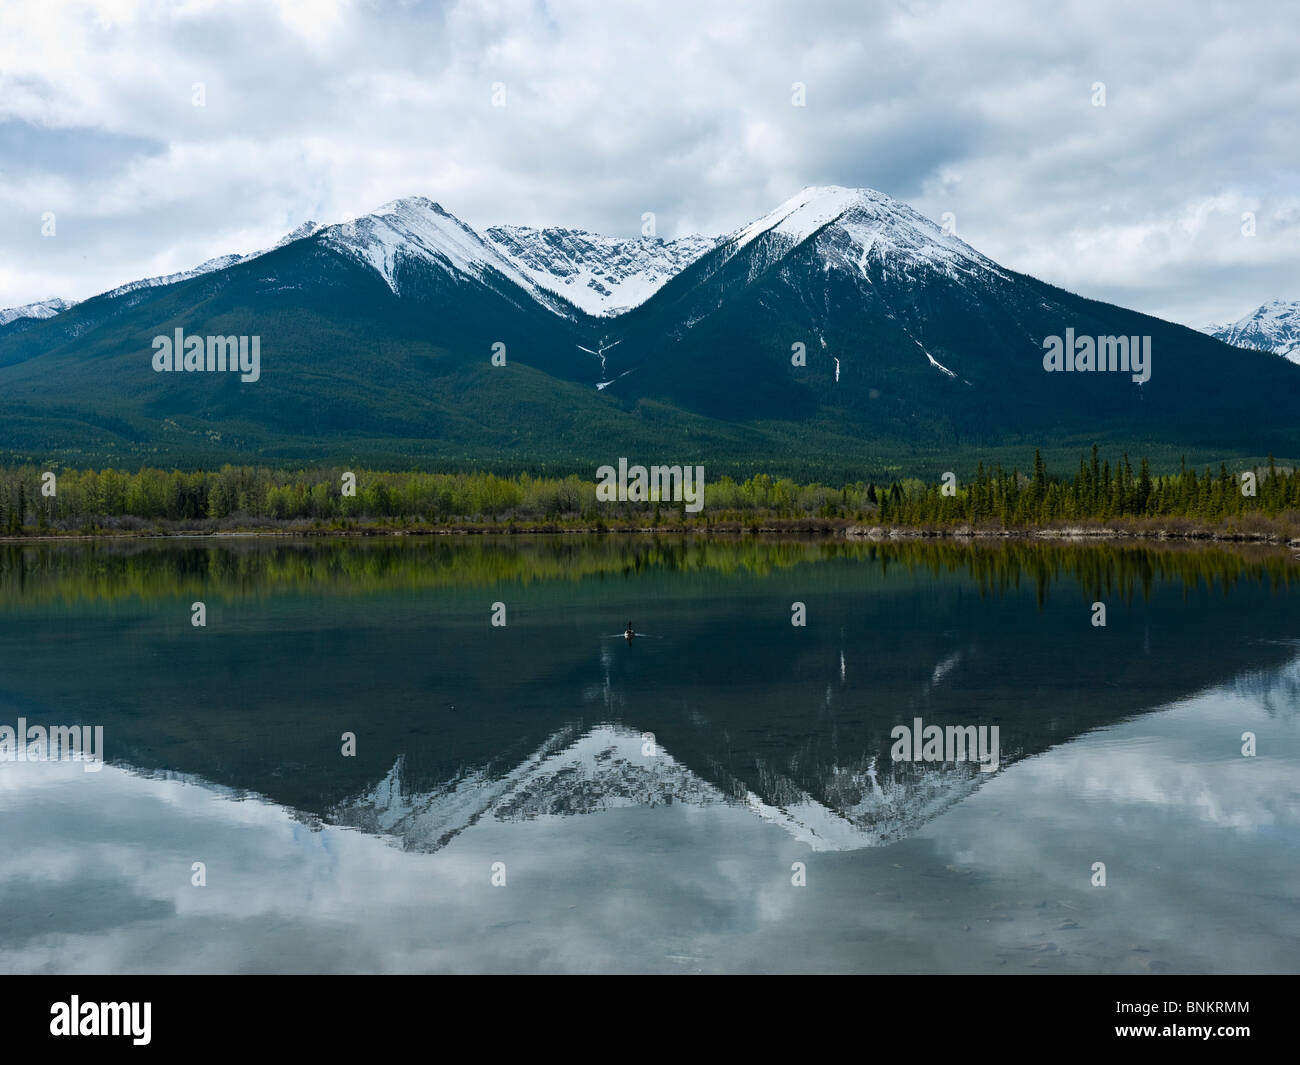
[629, 633]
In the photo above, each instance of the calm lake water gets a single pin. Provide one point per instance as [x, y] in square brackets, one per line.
[770, 762]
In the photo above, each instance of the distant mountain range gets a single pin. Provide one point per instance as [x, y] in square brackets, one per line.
[49, 308]
[35, 311]
[843, 333]
[1275, 327]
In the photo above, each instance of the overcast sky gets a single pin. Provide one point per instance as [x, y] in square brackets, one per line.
[320, 110]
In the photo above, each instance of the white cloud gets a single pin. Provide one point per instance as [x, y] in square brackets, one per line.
[323, 111]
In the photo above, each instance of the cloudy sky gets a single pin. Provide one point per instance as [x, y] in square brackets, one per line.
[322, 110]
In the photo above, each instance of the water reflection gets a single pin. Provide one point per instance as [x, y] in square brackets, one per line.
[648, 801]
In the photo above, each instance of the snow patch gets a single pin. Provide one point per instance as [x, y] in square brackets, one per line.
[935, 362]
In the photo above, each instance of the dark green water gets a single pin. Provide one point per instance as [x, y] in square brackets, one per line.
[526, 744]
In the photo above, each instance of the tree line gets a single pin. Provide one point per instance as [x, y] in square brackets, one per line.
[1099, 490]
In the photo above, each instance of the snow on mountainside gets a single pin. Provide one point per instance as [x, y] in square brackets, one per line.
[606, 276]
[49, 308]
[419, 228]
[211, 265]
[855, 227]
[601, 275]
[220, 262]
[829, 254]
[307, 229]
[1273, 327]
[42, 309]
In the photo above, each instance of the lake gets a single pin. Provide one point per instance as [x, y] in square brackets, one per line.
[400, 754]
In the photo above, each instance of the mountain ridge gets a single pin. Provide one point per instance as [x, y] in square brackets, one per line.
[604, 276]
[404, 335]
[41, 309]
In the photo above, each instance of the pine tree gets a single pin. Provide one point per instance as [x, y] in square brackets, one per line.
[1144, 488]
[1095, 485]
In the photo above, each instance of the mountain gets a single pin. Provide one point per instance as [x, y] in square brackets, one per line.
[219, 262]
[43, 309]
[49, 308]
[912, 336]
[417, 231]
[1275, 327]
[602, 275]
[377, 337]
[806, 270]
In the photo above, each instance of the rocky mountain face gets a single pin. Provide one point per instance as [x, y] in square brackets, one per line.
[1274, 326]
[843, 324]
[603, 276]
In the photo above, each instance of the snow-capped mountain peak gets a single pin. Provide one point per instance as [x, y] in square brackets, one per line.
[415, 226]
[606, 276]
[41, 309]
[602, 275]
[1274, 326]
[803, 214]
[855, 227]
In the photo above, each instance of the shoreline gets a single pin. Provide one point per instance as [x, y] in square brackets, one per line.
[828, 530]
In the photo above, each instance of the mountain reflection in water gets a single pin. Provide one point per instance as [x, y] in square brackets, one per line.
[661, 767]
